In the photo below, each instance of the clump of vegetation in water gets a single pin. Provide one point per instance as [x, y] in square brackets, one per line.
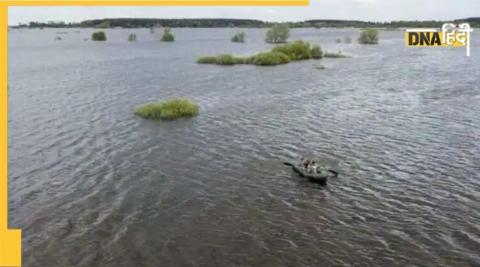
[222, 60]
[368, 36]
[99, 36]
[269, 59]
[132, 37]
[339, 54]
[316, 52]
[347, 40]
[338, 40]
[238, 38]
[168, 110]
[298, 50]
[279, 33]
[320, 67]
[168, 35]
[283, 54]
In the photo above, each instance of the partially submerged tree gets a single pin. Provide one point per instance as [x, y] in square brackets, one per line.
[316, 52]
[168, 35]
[132, 37]
[239, 38]
[279, 33]
[99, 36]
[368, 36]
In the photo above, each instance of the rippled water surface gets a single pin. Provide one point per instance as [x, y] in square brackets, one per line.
[91, 184]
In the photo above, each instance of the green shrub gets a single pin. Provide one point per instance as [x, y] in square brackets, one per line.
[99, 36]
[279, 33]
[316, 52]
[283, 54]
[168, 35]
[339, 54]
[269, 59]
[368, 36]
[239, 38]
[297, 50]
[132, 37]
[171, 109]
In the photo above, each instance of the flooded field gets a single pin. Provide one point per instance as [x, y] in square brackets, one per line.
[91, 184]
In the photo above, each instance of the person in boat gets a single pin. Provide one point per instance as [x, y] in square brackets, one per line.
[306, 164]
[313, 167]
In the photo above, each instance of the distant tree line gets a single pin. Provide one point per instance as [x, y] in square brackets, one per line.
[247, 23]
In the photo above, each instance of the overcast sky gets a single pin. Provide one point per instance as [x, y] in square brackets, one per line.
[374, 10]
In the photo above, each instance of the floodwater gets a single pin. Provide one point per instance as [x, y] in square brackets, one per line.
[91, 184]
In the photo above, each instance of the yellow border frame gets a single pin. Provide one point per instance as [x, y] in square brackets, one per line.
[11, 239]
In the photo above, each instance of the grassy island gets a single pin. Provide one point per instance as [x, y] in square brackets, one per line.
[298, 50]
[168, 110]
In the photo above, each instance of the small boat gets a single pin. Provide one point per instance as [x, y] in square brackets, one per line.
[321, 176]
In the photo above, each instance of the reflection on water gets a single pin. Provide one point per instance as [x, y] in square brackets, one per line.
[90, 184]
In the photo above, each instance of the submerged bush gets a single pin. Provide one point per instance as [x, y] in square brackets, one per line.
[167, 35]
[171, 109]
[239, 38]
[316, 52]
[338, 40]
[269, 59]
[297, 50]
[368, 36]
[99, 36]
[132, 37]
[279, 33]
[347, 40]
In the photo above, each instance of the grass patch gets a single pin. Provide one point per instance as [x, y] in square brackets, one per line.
[168, 110]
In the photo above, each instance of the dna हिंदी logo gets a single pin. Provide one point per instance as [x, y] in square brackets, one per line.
[451, 35]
